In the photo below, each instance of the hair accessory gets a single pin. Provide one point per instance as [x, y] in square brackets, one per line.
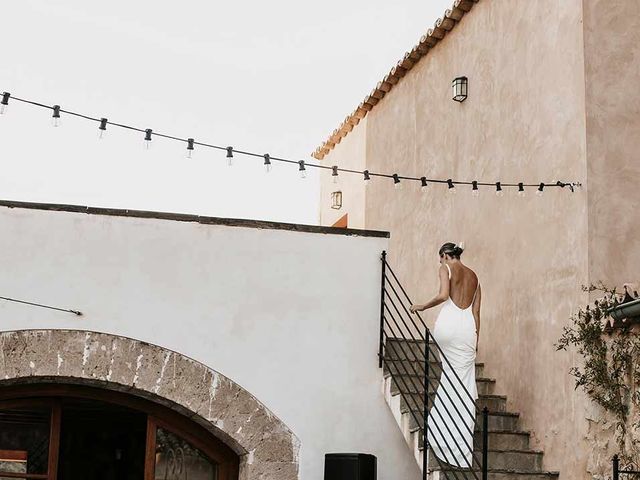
[460, 245]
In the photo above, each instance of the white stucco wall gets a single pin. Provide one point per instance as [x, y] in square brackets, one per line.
[290, 316]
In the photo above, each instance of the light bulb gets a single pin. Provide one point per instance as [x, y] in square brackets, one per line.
[474, 189]
[302, 169]
[452, 187]
[499, 191]
[102, 128]
[397, 184]
[267, 162]
[147, 138]
[367, 178]
[55, 119]
[230, 156]
[540, 190]
[423, 184]
[190, 142]
[334, 174]
[521, 192]
[4, 103]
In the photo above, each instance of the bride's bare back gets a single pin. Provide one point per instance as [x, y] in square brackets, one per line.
[463, 285]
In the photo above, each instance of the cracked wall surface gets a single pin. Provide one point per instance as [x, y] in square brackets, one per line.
[268, 449]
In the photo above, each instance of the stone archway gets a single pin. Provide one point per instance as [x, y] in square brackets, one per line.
[268, 449]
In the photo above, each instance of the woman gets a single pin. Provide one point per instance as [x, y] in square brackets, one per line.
[452, 416]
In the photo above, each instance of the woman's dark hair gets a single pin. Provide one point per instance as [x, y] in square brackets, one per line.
[451, 249]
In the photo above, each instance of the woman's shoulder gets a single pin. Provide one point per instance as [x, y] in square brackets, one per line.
[472, 273]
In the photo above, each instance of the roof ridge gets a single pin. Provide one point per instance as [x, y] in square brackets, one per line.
[441, 27]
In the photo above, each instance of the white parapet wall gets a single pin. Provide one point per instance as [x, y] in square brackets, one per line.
[291, 313]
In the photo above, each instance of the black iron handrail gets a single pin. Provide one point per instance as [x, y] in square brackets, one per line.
[617, 472]
[398, 328]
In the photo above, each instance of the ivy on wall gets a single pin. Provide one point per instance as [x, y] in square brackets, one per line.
[610, 371]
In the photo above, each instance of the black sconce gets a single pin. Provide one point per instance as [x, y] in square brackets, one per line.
[460, 87]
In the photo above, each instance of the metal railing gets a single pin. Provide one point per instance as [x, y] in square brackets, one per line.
[628, 470]
[413, 360]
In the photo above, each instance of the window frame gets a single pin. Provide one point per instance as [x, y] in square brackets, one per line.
[53, 396]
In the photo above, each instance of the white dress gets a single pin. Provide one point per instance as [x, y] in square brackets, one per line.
[453, 413]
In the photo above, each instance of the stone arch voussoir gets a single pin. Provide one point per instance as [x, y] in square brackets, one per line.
[268, 449]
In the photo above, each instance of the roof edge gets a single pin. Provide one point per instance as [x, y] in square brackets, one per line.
[182, 217]
[429, 40]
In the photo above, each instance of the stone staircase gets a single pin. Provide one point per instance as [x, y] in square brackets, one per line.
[510, 456]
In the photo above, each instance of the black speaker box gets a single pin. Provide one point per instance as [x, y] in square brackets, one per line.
[350, 466]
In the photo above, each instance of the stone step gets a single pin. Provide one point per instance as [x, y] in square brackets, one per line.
[393, 365]
[413, 401]
[498, 421]
[503, 421]
[504, 440]
[494, 474]
[498, 440]
[519, 460]
[415, 384]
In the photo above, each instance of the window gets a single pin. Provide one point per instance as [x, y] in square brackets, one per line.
[77, 433]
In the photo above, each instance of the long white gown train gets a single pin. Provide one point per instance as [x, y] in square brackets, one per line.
[451, 424]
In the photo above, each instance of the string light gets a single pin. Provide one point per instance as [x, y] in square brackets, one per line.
[55, 119]
[474, 189]
[499, 191]
[334, 173]
[102, 129]
[452, 187]
[540, 190]
[4, 103]
[423, 184]
[230, 156]
[190, 142]
[147, 138]
[367, 175]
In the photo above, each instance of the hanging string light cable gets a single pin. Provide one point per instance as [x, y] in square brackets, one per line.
[302, 164]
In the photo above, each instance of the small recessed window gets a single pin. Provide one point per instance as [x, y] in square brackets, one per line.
[336, 200]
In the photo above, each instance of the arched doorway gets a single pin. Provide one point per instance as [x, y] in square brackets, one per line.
[267, 449]
[66, 432]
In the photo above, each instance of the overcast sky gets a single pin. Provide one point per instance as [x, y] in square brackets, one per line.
[273, 77]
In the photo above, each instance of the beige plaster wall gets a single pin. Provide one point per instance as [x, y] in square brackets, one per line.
[524, 120]
[350, 153]
[612, 70]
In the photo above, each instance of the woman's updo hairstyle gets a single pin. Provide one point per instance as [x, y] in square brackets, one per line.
[451, 249]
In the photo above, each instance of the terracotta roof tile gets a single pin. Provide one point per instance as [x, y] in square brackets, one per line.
[442, 26]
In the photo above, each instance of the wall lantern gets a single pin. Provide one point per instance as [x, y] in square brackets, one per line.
[460, 87]
[336, 200]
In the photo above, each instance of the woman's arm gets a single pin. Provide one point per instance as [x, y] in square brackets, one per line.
[442, 296]
[476, 312]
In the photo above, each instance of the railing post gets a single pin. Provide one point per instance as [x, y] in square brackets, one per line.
[382, 289]
[616, 467]
[425, 413]
[485, 443]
